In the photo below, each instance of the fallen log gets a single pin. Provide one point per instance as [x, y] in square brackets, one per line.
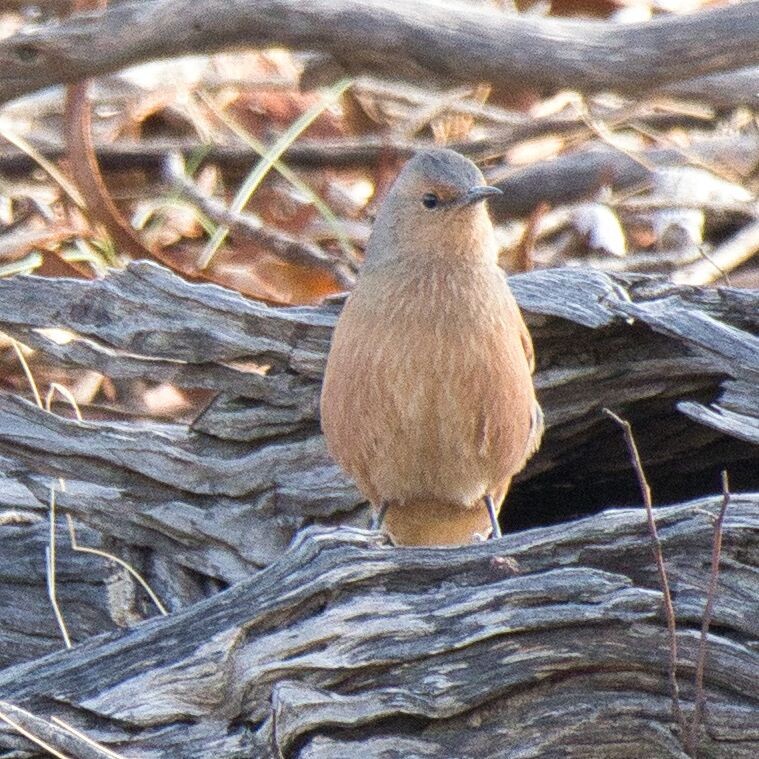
[199, 507]
[342, 639]
[425, 42]
[549, 642]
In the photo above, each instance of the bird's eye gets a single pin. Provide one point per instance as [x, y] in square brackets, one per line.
[430, 200]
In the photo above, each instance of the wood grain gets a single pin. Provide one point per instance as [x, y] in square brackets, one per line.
[340, 639]
[430, 652]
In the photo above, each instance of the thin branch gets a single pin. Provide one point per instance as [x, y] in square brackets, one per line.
[698, 711]
[46, 165]
[669, 611]
[288, 248]
[411, 41]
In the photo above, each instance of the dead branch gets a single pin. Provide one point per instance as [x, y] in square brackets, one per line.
[669, 609]
[378, 38]
[693, 736]
[255, 671]
[253, 469]
[568, 178]
[290, 249]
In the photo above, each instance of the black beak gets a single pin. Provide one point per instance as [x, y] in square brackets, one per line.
[478, 193]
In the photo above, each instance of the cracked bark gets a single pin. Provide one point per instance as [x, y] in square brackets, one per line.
[340, 639]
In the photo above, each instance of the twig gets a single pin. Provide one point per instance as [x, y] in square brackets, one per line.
[698, 711]
[606, 135]
[286, 247]
[724, 258]
[669, 611]
[523, 259]
[691, 158]
[67, 394]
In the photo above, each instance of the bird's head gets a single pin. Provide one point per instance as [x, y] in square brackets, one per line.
[435, 208]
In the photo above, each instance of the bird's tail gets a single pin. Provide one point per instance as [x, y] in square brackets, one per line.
[426, 522]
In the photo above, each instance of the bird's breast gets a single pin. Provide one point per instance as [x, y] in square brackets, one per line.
[427, 390]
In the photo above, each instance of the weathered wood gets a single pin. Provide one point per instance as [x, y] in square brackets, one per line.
[345, 641]
[422, 41]
[255, 456]
[197, 508]
[341, 639]
[86, 588]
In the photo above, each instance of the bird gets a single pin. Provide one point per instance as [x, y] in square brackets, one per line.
[428, 400]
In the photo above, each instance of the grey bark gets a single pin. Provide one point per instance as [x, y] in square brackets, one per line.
[423, 41]
[547, 643]
[252, 469]
[428, 653]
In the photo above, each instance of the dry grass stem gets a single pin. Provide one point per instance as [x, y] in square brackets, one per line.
[703, 647]
[27, 372]
[105, 555]
[50, 550]
[50, 559]
[254, 179]
[86, 739]
[33, 738]
[669, 611]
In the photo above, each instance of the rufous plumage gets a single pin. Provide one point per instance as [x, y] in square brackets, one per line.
[428, 401]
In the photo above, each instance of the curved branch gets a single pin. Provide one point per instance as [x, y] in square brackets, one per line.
[419, 41]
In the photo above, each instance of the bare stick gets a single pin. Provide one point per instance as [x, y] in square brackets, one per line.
[698, 711]
[669, 611]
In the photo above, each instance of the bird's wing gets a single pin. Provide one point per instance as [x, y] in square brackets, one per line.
[529, 351]
[524, 334]
[537, 426]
